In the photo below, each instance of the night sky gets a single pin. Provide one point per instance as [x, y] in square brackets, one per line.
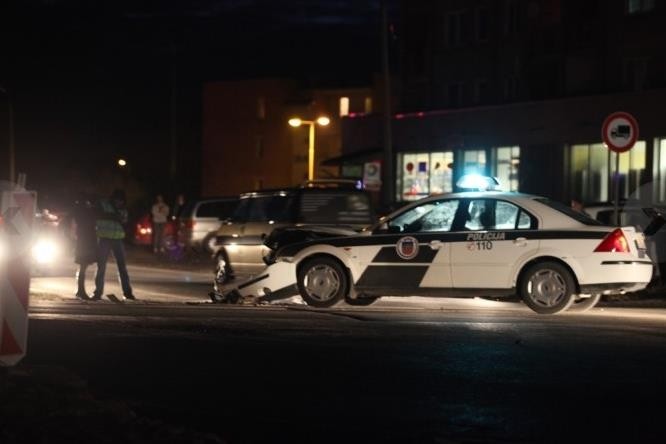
[91, 81]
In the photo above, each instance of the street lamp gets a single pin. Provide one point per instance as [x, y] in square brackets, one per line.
[322, 121]
[122, 162]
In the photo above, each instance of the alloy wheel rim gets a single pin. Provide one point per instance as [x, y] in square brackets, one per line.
[322, 282]
[547, 288]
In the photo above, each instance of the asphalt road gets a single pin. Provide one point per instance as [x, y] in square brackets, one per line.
[402, 370]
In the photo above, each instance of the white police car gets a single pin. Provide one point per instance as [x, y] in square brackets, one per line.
[461, 244]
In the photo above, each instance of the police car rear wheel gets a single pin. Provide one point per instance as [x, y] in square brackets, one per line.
[322, 282]
[548, 288]
[583, 304]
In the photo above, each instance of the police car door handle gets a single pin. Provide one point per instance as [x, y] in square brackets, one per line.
[436, 245]
[520, 241]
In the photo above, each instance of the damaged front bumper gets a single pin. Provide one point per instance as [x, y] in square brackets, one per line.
[276, 281]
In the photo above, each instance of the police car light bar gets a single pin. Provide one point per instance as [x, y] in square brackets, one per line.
[478, 182]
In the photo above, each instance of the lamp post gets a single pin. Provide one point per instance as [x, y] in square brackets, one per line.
[12, 148]
[296, 122]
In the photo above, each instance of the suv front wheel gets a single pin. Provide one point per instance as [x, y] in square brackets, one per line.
[322, 282]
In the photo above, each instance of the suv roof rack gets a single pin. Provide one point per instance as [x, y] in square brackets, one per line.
[330, 183]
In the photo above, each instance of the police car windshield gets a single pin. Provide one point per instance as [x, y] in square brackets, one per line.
[576, 215]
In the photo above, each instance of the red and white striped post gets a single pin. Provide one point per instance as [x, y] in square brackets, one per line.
[17, 211]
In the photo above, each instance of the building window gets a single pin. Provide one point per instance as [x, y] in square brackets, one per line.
[635, 74]
[501, 162]
[261, 108]
[344, 106]
[591, 166]
[480, 91]
[368, 105]
[482, 24]
[506, 161]
[511, 85]
[455, 95]
[511, 22]
[474, 162]
[422, 174]
[660, 170]
[632, 170]
[638, 6]
[454, 28]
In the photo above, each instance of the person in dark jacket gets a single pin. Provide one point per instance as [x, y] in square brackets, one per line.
[83, 230]
[111, 219]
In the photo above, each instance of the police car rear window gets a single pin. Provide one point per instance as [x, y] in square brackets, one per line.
[576, 215]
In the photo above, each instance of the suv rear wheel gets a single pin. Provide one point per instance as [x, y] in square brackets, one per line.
[322, 282]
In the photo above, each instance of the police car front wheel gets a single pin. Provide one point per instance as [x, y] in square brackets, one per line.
[322, 282]
[548, 288]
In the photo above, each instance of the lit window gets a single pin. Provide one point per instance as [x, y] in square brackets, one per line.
[368, 105]
[505, 166]
[422, 174]
[589, 169]
[344, 106]
[660, 169]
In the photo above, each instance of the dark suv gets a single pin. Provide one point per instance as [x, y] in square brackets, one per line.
[240, 245]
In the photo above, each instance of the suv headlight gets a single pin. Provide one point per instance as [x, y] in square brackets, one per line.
[45, 251]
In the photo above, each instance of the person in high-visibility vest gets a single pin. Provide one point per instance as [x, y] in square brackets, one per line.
[111, 233]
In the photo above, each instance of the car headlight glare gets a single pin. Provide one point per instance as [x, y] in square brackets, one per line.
[45, 251]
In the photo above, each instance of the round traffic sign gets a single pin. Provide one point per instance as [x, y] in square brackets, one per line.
[619, 132]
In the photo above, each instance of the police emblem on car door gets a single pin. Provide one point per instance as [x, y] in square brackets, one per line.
[413, 252]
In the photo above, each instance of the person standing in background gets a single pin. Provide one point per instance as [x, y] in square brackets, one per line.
[178, 206]
[84, 233]
[111, 234]
[160, 212]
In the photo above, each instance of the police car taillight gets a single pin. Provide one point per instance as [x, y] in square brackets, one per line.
[614, 242]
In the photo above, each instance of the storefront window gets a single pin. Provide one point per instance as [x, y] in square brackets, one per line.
[505, 166]
[422, 174]
[660, 170]
[591, 166]
[474, 162]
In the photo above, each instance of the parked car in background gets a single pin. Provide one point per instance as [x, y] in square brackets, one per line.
[198, 221]
[143, 230]
[240, 248]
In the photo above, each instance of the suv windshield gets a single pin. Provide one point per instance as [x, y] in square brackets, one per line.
[577, 215]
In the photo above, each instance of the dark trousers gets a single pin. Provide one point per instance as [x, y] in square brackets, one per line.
[116, 246]
[158, 236]
[81, 279]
